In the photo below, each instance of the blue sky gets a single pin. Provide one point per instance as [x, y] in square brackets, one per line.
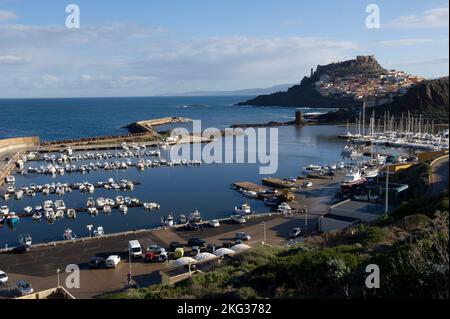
[153, 47]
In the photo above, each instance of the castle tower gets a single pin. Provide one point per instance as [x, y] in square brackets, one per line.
[298, 117]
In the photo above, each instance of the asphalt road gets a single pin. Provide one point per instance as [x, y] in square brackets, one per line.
[439, 177]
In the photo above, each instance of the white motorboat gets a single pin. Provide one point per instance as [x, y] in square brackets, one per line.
[107, 209]
[60, 205]
[312, 169]
[4, 210]
[10, 179]
[352, 179]
[371, 172]
[151, 206]
[123, 208]
[69, 234]
[71, 213]
[244, 209]
[93, 211]
[25, 240]
[250, 194]
[37, 216]
[120, 200]
[59, 214]
[100, 202]
[90, 202]
[99, 231]
[168, 221]
[28, 209]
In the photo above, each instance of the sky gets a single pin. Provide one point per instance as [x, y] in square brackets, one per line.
[145, 48]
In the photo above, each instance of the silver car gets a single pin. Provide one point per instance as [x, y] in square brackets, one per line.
[242, 236]
[23, 288]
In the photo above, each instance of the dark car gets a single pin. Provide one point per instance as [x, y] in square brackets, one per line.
[96, 262]
[192, 226]
[196, 242]
[174, 245]
[21, 249]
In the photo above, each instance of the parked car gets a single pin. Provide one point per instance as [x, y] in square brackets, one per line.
[179, 252]
[295, 232]
[22, 249]
[196, 242]
[307, 184]
[195, 250]
[152, 256]
[135, 248]
[3, 278]
[242, 236]
[214, 223]
[97, 262]
[174, 245]
[238, 219]
[23, 288]
[155, 249]
[112, 261]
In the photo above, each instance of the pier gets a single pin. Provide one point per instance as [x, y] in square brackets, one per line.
[147, 126]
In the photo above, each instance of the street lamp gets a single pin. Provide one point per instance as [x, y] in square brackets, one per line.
[129, 262]
[57, 274]
[264, 233]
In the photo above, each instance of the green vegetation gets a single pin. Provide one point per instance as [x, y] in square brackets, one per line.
[410, 247]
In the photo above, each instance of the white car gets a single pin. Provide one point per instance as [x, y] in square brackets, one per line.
[112, 261]
[238, 219]
[307, 184]
[214, 223]
[3, 278]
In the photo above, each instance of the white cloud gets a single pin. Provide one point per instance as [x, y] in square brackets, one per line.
[437, 17]
[7, 15]
[401, 42]
[14, 59]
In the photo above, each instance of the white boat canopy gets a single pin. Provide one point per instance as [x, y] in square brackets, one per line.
[240, 247]
[183, 261]
[205, 256]
[223, 252]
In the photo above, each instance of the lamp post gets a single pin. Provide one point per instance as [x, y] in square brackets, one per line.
[57, 274]
[264, 233]
[129, 271]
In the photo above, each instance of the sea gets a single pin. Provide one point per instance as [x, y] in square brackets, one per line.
[180, 189]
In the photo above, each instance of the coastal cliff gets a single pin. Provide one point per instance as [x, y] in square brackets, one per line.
[306, 94]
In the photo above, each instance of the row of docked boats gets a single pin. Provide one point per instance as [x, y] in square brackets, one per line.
[64, 158]
[63, 188]
[8, 217]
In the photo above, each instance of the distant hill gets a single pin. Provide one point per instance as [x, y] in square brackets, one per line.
[244, 92]
[429, 98]
[305, 93]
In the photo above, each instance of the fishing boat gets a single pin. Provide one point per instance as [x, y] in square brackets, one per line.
[69, 234]
[244, 209]
[12, 218]
[352, 179]
[71, 213]
[195, 216]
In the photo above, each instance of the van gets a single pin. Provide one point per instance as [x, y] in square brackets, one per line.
[135, 248]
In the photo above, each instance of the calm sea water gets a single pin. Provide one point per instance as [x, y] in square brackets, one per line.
[178, 190]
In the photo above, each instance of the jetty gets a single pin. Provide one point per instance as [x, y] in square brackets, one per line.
[147, 126]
